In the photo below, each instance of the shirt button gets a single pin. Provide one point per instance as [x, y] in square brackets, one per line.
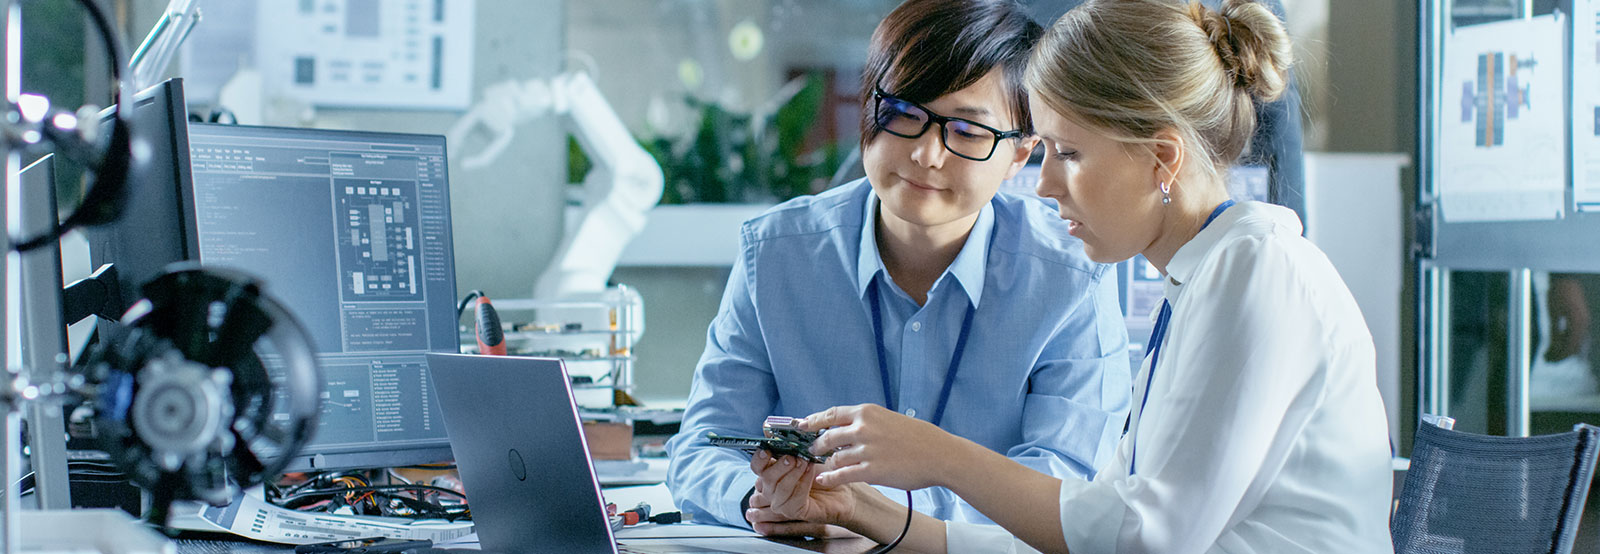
[911, 412]
[916, 326]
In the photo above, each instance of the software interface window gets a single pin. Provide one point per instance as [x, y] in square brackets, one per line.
[352, 232]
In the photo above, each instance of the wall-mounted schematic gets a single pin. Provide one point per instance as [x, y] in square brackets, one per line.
[1502, 127]
[1496, 95]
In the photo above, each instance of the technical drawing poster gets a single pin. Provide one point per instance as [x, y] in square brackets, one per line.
[1502, 137]
[368, 53]
[1586, 106]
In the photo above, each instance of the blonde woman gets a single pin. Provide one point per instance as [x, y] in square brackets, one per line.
[1256, 424]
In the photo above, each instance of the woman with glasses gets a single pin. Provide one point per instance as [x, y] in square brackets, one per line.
[1257, 424]
[917, 288]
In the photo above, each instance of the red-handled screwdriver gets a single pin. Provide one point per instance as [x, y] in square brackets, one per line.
[491, 339]
[486, 323]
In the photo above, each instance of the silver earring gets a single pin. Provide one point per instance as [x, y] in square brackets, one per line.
[1166, 193]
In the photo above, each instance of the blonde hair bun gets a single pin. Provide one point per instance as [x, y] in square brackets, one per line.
[1252, 44]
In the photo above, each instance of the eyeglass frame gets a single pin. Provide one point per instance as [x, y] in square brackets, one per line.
[879, 95]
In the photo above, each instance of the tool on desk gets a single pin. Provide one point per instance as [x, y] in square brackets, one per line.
[486, 323]
[639, 514]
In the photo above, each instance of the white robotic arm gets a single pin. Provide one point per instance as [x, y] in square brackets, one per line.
[624, 183]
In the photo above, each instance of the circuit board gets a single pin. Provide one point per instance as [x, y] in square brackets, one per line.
[784, 438]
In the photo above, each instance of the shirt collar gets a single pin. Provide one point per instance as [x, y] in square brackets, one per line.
[969, 268]
[1188, 257]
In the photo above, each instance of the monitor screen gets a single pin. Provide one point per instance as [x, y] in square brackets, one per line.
[351, 231]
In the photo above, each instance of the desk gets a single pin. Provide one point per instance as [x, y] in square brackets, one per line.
[214, 543]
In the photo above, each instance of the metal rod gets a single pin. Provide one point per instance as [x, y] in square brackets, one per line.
[1436, 315]
[1428, 367]
[1432, 96]
[11, 429]
[1442, 340]
[11, 534]
[43, 334]
[1519, 352]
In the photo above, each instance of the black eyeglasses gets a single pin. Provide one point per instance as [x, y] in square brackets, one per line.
[968, 139]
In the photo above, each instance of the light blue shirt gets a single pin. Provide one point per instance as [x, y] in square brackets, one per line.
[1044, 379]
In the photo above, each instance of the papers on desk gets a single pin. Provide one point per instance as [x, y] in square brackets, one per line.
[252, 517]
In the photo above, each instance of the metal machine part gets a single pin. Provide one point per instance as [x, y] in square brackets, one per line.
[215, 387]
[182, 409]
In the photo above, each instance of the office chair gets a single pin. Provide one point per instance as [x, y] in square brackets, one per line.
[1468, 493]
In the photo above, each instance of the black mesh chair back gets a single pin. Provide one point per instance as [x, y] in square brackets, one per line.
[1468, 493]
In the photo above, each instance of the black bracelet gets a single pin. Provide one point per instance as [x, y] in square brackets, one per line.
[744, 504]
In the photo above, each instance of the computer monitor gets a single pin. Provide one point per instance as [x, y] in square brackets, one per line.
[150, 233]
[351, 231]
[147, 236]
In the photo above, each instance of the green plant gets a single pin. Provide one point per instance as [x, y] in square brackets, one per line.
[747, 157]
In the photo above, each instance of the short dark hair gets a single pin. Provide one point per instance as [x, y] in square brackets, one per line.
[926, 49]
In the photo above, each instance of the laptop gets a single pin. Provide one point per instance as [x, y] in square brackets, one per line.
[521, 454]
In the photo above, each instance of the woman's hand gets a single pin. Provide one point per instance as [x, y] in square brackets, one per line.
[788, 502]
[870, 444]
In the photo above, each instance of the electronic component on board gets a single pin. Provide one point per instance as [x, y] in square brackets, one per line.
[783, 438]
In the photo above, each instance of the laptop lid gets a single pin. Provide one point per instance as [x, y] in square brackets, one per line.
[520, 450]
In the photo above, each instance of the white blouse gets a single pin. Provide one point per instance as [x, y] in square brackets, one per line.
[1263, 432]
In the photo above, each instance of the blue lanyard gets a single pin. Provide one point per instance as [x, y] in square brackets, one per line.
[1157, 335]
[883, 359]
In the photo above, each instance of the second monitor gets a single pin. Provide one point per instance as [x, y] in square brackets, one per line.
[351, 231]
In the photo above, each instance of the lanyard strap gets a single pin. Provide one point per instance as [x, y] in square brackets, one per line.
[883, 359]
[1157, 336]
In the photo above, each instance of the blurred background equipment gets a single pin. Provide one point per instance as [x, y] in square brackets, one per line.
[622, 186]
[149, 61]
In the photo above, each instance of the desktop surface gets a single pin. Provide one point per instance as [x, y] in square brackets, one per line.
[213, 543]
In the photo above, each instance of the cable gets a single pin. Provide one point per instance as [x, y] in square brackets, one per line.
[462, 307]
[360, 491]
[102, 202]
[903, 530]
[380, 488]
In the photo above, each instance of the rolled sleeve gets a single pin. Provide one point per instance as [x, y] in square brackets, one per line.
[972, 537]
[733, 392]
[1078, 397]
[1092, 515]
[1077, 403]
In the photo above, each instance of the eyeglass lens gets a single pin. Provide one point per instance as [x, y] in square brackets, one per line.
[961, 137]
